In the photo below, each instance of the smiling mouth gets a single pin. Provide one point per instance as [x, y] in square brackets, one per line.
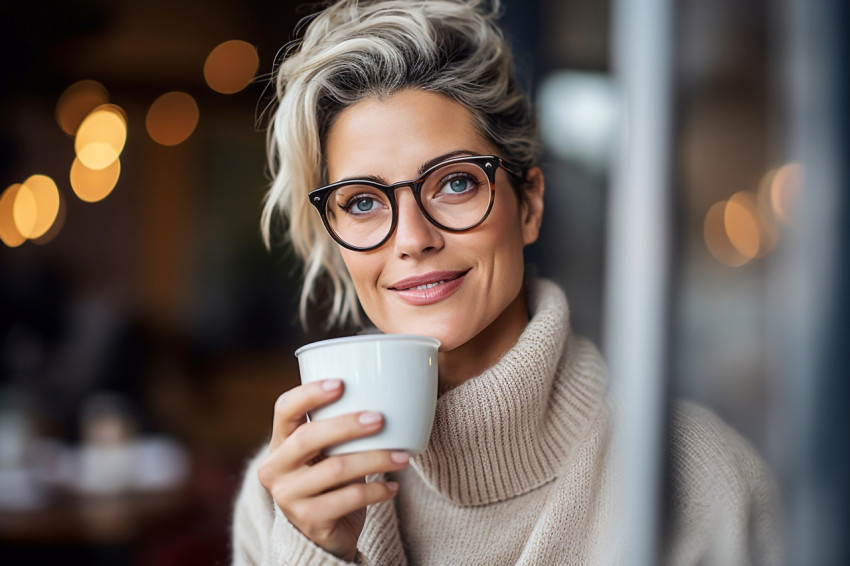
[429, 288]
[427, 280]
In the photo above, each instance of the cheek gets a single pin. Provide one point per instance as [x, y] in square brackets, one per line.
[364, 269]
[509, 266]
[506, 237]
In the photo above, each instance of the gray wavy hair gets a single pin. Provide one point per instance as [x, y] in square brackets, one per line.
[356, 49]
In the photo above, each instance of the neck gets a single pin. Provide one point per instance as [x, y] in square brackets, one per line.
[485, 349]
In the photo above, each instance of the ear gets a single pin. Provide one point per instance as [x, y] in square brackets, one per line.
[531, 206]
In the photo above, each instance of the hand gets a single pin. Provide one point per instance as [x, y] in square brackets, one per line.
[325, 498]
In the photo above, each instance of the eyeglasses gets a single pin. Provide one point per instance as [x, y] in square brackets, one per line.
[455, 195]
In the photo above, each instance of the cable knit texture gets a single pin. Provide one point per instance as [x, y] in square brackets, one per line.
[518, 471]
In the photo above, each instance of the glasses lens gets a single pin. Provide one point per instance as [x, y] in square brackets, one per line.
[359, 215]
[457, 195]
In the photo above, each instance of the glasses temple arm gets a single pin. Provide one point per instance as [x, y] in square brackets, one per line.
[520, 174]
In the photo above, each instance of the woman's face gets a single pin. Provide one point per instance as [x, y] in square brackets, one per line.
[478, 274]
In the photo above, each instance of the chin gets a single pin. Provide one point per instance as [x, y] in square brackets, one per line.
[448, 342]
[446, 331]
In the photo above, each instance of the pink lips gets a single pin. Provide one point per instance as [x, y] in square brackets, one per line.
[440, 286]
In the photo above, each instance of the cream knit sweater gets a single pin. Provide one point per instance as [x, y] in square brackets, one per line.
[518, 471]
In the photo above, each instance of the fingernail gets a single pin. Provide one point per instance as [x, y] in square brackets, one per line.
[331, 384]
[369, 417]
[392, 486]
[400, 457]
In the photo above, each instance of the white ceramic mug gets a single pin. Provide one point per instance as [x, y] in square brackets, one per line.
[394, 374]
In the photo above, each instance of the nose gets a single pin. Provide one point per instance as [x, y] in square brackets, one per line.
[415, 236]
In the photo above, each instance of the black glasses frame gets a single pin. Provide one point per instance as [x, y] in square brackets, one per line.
[488, 163]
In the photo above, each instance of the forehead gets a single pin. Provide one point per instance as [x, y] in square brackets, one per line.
[392, 137]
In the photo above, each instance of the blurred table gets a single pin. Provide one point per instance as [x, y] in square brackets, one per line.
[93, 520]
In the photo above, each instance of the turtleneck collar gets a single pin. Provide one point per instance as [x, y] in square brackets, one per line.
[509, 430]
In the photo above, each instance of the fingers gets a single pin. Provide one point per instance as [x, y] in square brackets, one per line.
[291, 408]
[321, 499]
[309, 440]
[329, 507]
[338, 471]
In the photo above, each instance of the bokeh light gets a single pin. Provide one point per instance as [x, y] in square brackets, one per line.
[8, 231]
[578, 116]
[768, 229]
[38, 202]
[231, 66]
[92, 185]
[172, 118]
[24, 211]
[785, 191]
[740, 220]
[57, 225]
[717, 240]
[76, 102]
[101, 137]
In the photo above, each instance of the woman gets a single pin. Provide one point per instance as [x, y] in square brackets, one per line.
[407, 120]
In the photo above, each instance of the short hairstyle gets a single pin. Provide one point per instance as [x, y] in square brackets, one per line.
[356, 49]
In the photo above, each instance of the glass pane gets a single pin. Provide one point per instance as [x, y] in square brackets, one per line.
[457, 195]
[359, 214]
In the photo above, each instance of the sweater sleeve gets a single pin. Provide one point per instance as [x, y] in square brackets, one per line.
[262, 535]
[724, 507]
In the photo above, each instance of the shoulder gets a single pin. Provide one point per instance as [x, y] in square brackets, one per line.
[724, 501]
[253, 515]
[706, 451]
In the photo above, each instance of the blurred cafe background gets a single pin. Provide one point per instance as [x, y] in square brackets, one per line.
[145, 331]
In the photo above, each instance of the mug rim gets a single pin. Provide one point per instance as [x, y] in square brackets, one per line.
[368, 338]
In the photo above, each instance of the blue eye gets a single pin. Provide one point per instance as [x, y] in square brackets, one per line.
[459, 185]
[361, 205]
[364, 204]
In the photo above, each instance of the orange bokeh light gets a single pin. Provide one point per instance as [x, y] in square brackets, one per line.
[101, 137]
[57, 225]
[768, 229]
[9, 233]
[172, 118]
[717, 240]
[37, 204]
[231, 66]
[25, 211]
[740, 219]
[785, 190]
[92, 185]
[76, 102]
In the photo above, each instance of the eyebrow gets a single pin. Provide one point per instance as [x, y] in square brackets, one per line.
[422, 168]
